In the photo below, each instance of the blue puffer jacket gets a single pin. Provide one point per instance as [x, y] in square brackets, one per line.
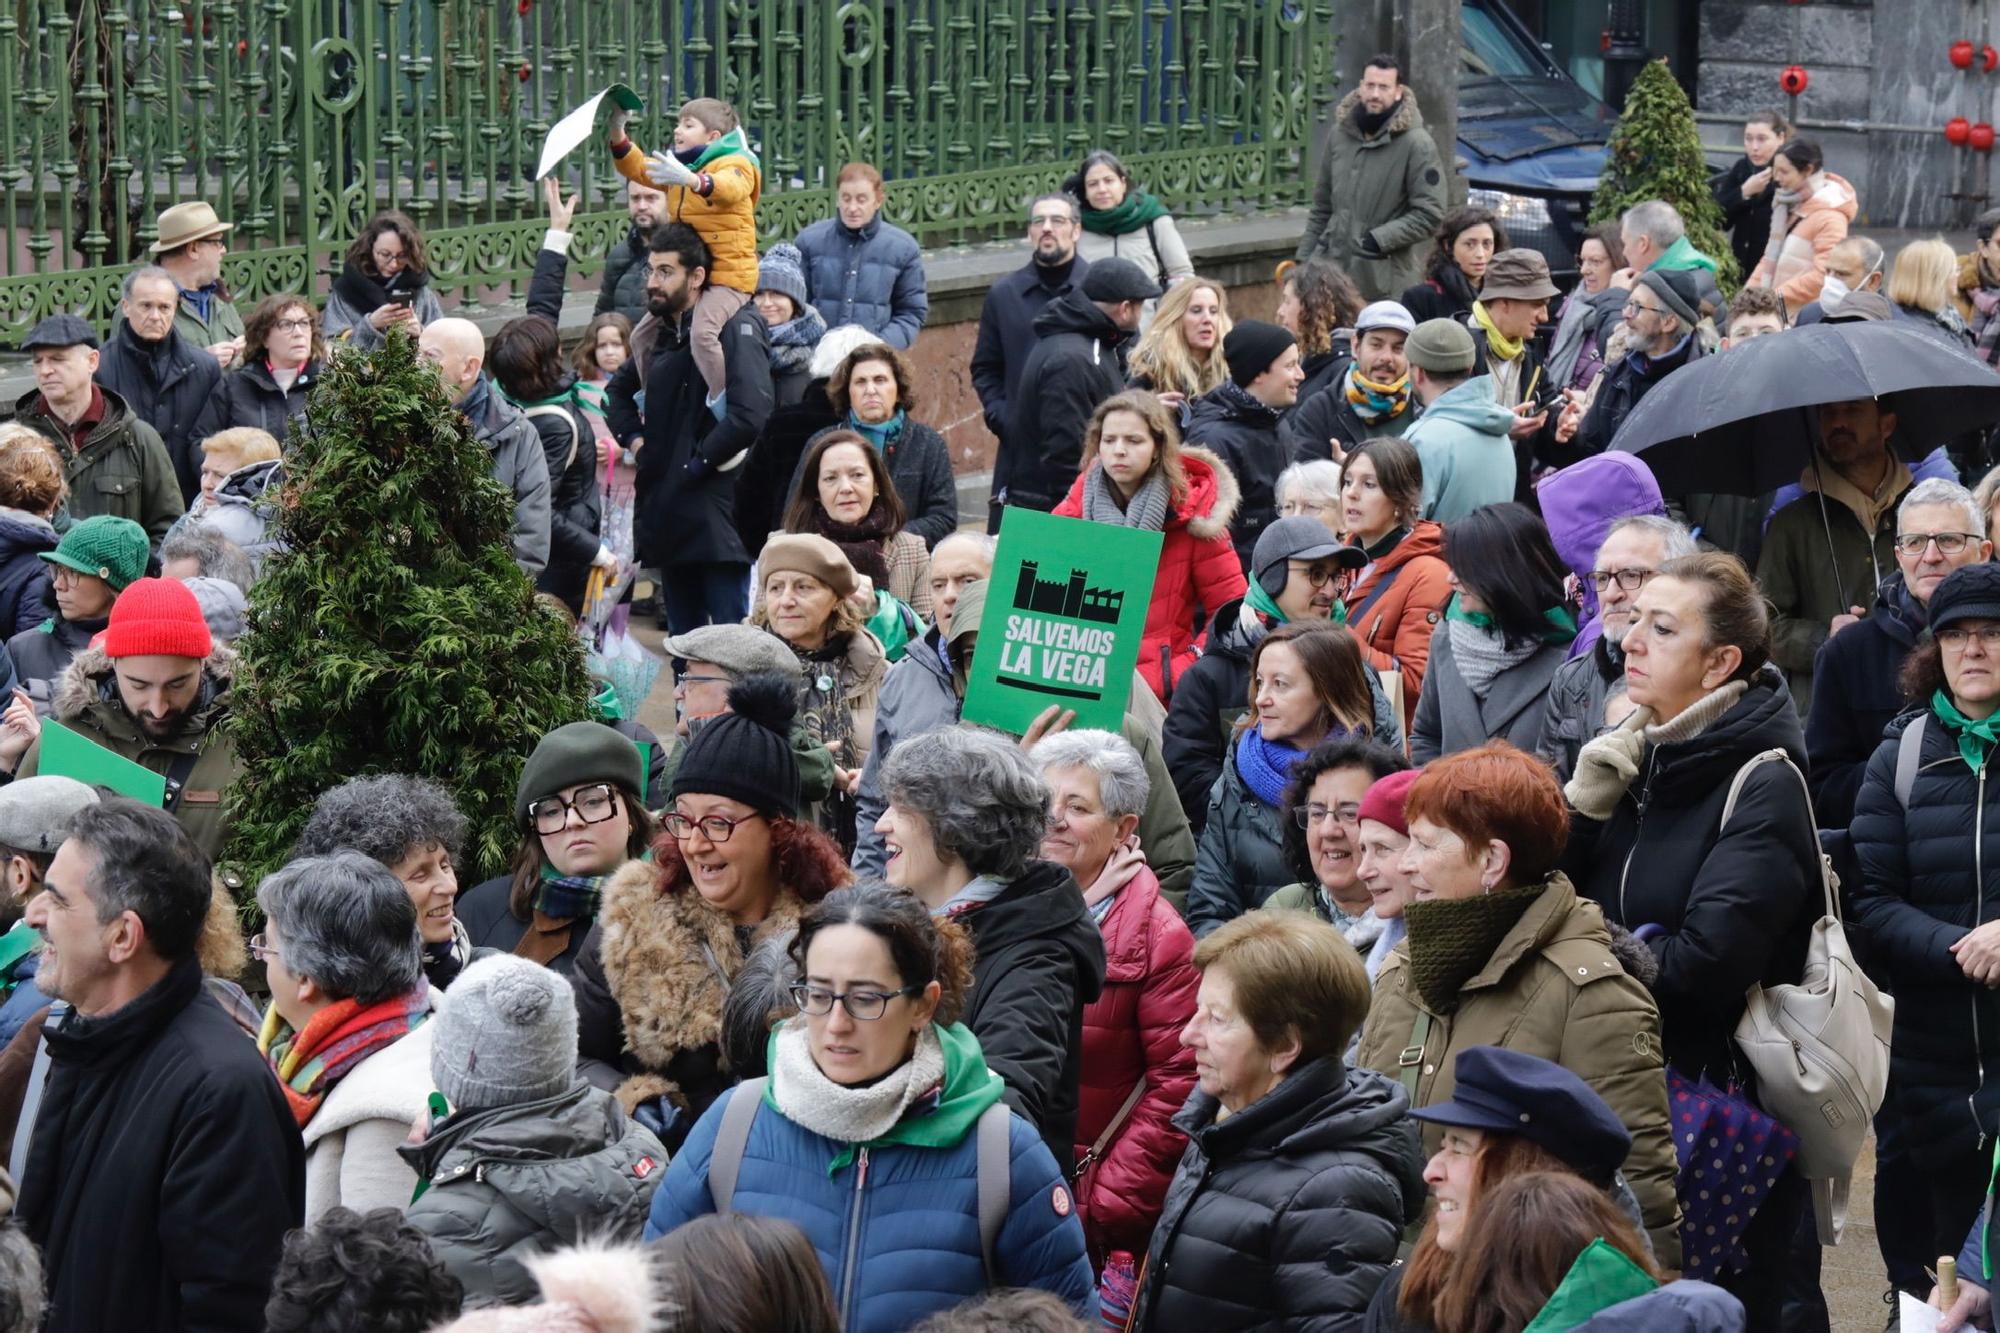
[26, 596]
[896, 1228]
[1929, 875]
[873, 277]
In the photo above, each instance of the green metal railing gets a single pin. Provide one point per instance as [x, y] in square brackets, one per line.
[298, 119]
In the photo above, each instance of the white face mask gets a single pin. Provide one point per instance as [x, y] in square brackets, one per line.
[1834, 291]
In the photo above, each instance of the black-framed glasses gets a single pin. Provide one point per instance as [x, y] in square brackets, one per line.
[1347, 812]
[1957, 636]
[863, 1006]
[1317, 575]
[716, 828]
[292, 325]
[593, 805]
[1948, 543]
[1631, 580]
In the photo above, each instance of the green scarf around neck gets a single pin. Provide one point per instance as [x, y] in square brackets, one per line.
[969, 1088]
[1976, 738]
[1681, 256]
[1263, 603]
[1561, 624]
[1451, 939]
[1134, 211]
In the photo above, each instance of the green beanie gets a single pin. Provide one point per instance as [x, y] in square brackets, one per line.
[575, 754]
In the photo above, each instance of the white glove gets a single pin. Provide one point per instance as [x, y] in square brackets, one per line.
[606, 558]
[664, 169]
[619, 116]
[1606, 765]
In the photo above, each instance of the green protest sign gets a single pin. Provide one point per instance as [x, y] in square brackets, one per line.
[1062, 622]
[71, 754]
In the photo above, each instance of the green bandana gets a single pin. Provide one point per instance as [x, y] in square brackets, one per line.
[1133, 212]
[1452, 938]
[1975, 739]
[1562, 625]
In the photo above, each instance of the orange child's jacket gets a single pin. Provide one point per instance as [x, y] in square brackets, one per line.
[726, 217]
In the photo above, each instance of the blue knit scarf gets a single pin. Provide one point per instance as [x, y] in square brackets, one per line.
[1266, 766]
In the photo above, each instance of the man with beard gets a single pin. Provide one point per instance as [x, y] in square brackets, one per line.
[165, 379]
[155, 690]
[1367, 399]
[1007, 320]
[624, 286]
[685, 519]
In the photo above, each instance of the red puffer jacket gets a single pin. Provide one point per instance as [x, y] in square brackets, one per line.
[1396, 627]
[1133, 1032]
[1198, 567]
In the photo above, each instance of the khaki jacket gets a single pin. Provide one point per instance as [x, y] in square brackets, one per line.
[1553, 988]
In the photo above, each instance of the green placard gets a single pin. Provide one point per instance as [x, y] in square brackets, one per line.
[71, 754]
[1062, 623]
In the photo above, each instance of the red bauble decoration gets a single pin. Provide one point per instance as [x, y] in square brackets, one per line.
[1957, 130]
[1961, 55]
[524, 72]
[1988, 58]
[1794, 79]
[1981, 137]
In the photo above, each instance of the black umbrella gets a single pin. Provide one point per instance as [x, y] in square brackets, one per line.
[1740, 423]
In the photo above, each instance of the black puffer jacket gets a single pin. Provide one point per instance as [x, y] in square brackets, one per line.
[1574, 711]
[1855, 696]
[1287, 1214]
[1039, 961]
[576, 511]
[1075, 365]
[168, 383]
[250, 397]
[623, 288]
[1208, 699]
[1927, 878]
[1243, 433]
[1736, 903]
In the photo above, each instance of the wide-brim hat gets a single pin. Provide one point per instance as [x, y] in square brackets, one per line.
[1518, 275]
[184, 224]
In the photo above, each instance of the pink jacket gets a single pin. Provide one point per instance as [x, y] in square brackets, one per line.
[1794, 261]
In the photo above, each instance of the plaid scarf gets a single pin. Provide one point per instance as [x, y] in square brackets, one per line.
[569, 897]
[336, 1039]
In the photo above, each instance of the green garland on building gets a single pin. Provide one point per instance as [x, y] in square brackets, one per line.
[1655, 153]
[394, 634]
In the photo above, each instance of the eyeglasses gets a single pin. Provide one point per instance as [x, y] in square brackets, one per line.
[1948, 543]
[1050, 220]
[716, 828]
[62, 576]
[682, 682]
[864, 1006]
[1955, 638]
[593, 805]
[390, 257]
[260, 948]
[1631, 580]
[1317, 575]
[1635, 308]
[1347, 813]
[292, 325]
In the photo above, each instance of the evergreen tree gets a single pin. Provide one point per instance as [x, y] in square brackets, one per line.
[394, 634]
[1655, 153]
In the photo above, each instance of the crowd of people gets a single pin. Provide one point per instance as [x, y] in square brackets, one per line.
[1361, 978]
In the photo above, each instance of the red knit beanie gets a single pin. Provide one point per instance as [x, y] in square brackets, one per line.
[1384, 801]
[157, 617]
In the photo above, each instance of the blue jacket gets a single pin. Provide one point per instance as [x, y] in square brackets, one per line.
[1467, 456]
[873, 277]
[910, 1215]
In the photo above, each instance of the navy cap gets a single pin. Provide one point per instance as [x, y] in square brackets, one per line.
[60, 331]
[1511, 1092]
[1970, 592]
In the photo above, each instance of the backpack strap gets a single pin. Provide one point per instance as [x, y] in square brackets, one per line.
[731, 1137]
[1159, 260]
[562, 414]
[1410, 1061]
[1909, 755]
[996, 1184]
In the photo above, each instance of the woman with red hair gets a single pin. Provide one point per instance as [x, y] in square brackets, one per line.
[1502, 952]
[738, 867]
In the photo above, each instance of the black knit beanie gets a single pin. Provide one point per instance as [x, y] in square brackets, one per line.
[1251, 347]
[746, 754]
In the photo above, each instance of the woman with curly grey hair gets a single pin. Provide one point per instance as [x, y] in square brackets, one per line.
[965, 821]
[412, 826]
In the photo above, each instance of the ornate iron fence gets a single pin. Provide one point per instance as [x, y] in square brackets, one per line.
[299, 118]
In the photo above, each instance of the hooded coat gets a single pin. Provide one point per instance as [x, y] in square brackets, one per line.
[1856, 697]
[165, 1168]
[1198, 571]
[518, 464]
[87, 701]
[1038, 960]
[622, 289]
[169, 384]
[27, 598]
[122, 469]
[1387, 186]
[1243, 433]
[1559, 985]
[1738, 903]
[872, 276]
[896, 1224]
[1467, 456]
[649, 1001]
[1131, 1036]
[509, 1182]
[1450, 717]
[1580, 504]
[1074, 365]
[1794, 264]
[1396, 605]
[245, 508]
[1925, 882]
[1287, 1213]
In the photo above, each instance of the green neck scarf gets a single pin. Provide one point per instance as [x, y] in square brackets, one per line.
[969, 1088]
[1263, 603]
[1134, 211]
[1681, 256]
[1975, 738]
[1561, 624]
[1451, 939]
[733, 142]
